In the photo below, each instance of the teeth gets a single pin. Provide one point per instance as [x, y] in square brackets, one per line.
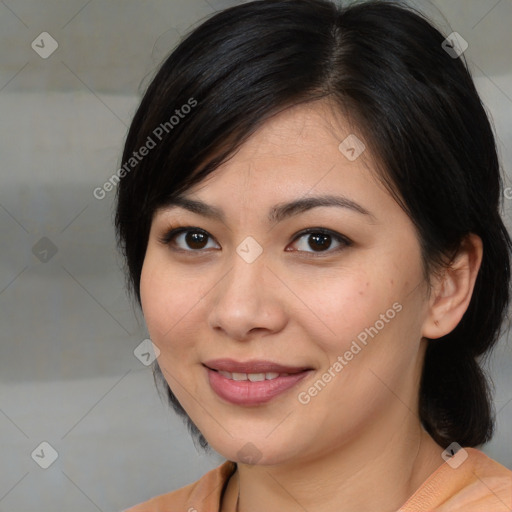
[253, 377]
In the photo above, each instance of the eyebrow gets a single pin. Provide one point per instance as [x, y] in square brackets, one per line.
[277, 213]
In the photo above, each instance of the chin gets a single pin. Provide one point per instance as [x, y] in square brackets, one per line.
[256, 451]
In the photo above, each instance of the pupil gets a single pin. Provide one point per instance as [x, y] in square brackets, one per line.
[322, 241]
[195, 240]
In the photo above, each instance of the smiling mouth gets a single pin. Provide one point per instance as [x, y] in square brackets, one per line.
[252, 382]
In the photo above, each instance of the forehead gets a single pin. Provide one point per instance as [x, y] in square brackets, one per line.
[305, 129]
[304, 147]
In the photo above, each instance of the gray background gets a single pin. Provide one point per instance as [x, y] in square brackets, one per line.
[68, 374]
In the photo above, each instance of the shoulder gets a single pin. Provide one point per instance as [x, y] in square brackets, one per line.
[201, 496]
[469, 482]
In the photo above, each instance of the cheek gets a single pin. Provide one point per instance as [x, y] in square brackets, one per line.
[343, 305]
[366, 314]
[165, 301]
[153, 299]
[168, 299]
[379, 347]
[175, 304]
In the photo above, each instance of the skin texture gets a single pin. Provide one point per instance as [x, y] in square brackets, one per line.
[358, 444]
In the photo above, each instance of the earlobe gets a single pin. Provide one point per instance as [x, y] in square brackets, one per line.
[452, 291]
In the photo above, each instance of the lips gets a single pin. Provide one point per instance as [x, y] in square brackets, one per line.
[252, 382]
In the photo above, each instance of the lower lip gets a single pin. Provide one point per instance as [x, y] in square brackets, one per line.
[245, 392]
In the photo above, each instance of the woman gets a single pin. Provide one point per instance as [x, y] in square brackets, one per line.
[311, 227]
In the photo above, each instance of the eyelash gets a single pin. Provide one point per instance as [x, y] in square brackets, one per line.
[345, 242]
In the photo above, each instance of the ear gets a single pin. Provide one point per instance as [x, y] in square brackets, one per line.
[452, 291]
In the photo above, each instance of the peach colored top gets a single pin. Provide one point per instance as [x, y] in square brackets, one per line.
[478, 484]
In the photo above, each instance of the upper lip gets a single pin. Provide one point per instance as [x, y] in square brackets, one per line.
[252, 366]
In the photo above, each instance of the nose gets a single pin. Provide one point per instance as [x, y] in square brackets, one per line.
[247, 301]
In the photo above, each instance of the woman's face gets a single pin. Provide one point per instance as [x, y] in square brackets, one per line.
[340, 307]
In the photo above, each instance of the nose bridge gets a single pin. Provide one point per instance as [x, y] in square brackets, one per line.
[243, 301]
[244, 282]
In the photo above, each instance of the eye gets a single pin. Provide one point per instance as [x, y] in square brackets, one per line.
[189, 239]
[312, 240]
[319, 240]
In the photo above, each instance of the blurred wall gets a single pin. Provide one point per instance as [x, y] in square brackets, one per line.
[68, 373]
